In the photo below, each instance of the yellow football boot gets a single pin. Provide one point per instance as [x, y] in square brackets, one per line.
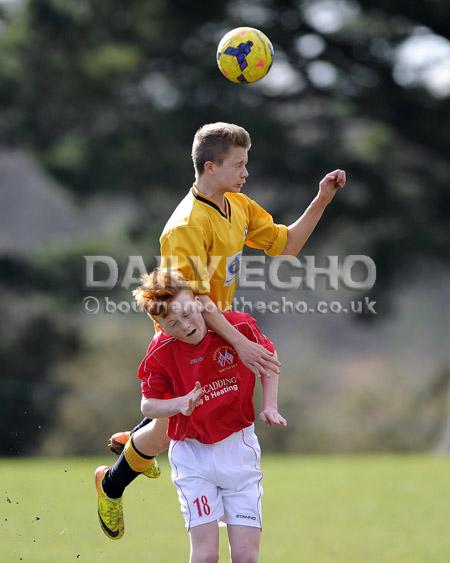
[110, 510]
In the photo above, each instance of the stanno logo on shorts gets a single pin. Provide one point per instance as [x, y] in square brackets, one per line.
[245, 516]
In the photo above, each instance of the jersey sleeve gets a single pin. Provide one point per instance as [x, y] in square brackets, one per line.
[263, 233]
[247, 326]
[184, 248]
[154, 383]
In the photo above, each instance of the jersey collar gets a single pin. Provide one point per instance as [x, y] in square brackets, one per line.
[205, 199]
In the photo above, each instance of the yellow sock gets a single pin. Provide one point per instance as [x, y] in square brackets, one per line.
[135, 460]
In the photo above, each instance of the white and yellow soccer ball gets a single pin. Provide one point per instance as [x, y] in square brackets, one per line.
[244, 55]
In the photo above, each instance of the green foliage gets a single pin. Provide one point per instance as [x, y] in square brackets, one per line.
[108, 98]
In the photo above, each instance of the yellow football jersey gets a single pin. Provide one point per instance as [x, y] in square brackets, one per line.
[205, 243]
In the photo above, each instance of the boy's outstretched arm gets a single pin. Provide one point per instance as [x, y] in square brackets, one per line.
[254, 356]
[300, 231]
[269, 414]
[163, 408]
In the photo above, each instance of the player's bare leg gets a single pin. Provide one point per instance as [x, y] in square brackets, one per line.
[152, 439]
[204, 543]
[244, 543]
[149, 438]
[117, 441]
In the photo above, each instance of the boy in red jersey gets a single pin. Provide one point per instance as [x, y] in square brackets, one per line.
[193, 376]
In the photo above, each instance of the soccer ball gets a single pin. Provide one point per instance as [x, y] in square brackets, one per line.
[244, 54]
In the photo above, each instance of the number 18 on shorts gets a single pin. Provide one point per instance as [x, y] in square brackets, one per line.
[220, 481]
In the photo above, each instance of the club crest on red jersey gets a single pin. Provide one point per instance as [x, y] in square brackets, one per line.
[225, 357]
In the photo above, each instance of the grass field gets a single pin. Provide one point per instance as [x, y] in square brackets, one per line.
[316, 510]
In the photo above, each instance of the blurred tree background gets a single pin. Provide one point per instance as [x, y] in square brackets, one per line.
[99, 103]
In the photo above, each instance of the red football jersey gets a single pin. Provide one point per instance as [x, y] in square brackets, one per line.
[171, 368]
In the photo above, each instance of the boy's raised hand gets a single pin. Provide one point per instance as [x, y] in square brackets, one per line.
[331, 183]
[190, 401]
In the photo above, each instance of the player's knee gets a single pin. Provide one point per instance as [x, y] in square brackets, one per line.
[205, 555]
[247, 555]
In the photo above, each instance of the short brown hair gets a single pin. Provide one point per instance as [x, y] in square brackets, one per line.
[157, 289]
[213, 141]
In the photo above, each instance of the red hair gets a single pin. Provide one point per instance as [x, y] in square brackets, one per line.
[157, 289]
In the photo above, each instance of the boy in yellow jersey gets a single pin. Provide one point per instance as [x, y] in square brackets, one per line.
[206, 233]
[204, 239]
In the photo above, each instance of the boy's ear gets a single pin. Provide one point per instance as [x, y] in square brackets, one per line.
[208, 167]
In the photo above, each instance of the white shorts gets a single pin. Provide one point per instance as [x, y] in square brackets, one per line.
[219, 481]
